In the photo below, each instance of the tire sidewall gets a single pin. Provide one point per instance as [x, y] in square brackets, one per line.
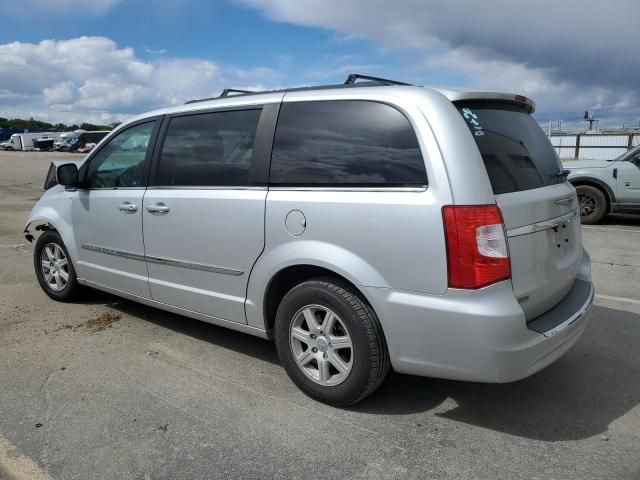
[72, 285]
[601, 204]
[317, 293]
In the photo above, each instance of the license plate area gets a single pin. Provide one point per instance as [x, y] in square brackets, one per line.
[564, 237]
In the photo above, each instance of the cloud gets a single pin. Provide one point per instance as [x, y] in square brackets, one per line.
[92, 77]
[540, 83]
[548, 48]
[61, 93]
[152, 51]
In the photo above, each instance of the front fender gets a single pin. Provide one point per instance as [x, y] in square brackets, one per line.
[305, 252]
[53, 212]
[577, 177]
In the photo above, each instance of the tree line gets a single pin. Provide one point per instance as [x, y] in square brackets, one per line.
[32, 124]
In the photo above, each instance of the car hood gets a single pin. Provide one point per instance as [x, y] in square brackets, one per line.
[573, 164]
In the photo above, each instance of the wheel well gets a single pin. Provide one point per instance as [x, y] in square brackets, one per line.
[607, 195]
[288, 278]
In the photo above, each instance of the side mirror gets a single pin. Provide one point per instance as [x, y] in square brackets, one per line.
[635, 160]
[67, 174]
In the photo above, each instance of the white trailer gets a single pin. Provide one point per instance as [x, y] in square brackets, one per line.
[24, 141]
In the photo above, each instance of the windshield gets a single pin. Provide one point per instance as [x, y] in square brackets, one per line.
[626, 154]
[517, 154]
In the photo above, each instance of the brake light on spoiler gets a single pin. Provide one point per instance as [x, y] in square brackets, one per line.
[477, 253]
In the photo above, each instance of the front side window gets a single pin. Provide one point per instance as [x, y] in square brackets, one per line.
[345, 143]
[120, 163]
[209, 149]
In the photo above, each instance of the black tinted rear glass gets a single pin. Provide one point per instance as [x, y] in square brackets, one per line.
[209, 149]
[516, 152]
[345, 143]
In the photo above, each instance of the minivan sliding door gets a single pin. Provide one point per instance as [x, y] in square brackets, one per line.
[204, 214]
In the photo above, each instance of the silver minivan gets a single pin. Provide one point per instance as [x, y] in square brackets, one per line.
[363, 226]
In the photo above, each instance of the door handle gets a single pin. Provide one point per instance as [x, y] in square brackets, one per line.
[564, 201]
[128, 207]
[158, 209]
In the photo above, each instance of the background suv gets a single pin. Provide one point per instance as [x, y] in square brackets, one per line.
[606, 186]
[362, 226]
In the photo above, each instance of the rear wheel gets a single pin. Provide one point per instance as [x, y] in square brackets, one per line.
[54, 270]
[593, 204]
[330, 342]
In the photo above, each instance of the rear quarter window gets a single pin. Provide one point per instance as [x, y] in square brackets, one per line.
[517, 154]
[345, 143]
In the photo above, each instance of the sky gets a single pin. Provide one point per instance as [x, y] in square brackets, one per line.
[103, 61]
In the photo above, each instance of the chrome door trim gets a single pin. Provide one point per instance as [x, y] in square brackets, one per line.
[193, 266]
[349, 189]
[544, 225]
[203, 187]
[164, 261]
[116, 253]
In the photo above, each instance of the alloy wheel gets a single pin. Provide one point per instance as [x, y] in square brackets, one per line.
[587, 204]
[321, 345]
[55, 267]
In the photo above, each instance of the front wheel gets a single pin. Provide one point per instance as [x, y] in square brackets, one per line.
[593, 204]
[54, 270]
[330, 342]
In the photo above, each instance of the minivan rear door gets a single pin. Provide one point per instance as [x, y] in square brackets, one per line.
[539, 206]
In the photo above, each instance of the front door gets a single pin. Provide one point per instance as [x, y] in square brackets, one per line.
[203, 218]
[629, 180]
[107, 212]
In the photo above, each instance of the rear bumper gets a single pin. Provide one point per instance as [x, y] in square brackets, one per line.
[478, 335]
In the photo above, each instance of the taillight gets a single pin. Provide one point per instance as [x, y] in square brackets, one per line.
[477, 253]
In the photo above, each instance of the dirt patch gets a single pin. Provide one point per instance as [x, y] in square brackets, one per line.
[96, 324]
[102, 322]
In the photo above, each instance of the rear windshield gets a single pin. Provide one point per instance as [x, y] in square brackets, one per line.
[517, 154]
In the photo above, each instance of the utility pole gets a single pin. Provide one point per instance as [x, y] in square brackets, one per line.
[588, 116]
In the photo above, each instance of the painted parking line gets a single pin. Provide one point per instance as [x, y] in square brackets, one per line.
[632, 301]
[14, 465]
[611, 229]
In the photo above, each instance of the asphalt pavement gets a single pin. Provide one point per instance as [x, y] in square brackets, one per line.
[109, 389]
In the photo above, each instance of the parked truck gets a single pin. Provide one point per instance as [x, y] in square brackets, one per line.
[78, 139]
[24, 141]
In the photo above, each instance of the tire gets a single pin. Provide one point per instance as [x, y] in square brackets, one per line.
[363, 365]
[593, 204]
[50, 248]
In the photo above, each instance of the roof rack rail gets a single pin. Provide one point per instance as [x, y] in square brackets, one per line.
[225, 93]
[353, 77]
[351, 81]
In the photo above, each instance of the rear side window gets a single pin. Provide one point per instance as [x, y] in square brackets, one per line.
[345, 143]
[517, 154]
[208, 149]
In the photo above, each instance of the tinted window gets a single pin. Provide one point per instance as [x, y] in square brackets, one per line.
[516, 152]
[209, 149]
[120, 163]
[345, 143]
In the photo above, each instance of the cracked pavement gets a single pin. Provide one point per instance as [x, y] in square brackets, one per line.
[153, 395]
